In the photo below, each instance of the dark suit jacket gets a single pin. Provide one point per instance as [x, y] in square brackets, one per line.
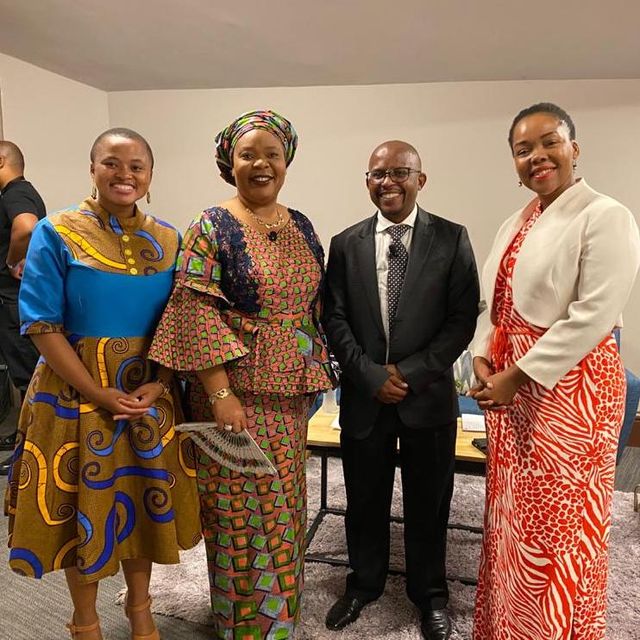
[435, 321]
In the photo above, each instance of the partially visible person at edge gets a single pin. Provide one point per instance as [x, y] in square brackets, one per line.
[242, 321]
[553, 386]
[101, 479]
[401, 305]
[20, 209]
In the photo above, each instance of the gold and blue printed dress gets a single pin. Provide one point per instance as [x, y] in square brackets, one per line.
[87, 490]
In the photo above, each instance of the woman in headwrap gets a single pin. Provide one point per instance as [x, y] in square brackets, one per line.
[243, 323]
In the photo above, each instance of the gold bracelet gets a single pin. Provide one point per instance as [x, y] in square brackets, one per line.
[166, 387]
[220, 394]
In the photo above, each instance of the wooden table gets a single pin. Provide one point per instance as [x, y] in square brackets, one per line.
[322, 435]
[324, 439]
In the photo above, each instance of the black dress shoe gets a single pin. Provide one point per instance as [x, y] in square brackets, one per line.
[436, 625]
[5, 466]
[344, 611]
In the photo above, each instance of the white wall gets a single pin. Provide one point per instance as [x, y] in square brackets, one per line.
[54, 121]
[459, 128]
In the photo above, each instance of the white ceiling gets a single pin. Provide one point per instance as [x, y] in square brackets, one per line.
[190, 44]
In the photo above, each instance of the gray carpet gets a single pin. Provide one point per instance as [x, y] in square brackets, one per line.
[32, 610]
[182, 590]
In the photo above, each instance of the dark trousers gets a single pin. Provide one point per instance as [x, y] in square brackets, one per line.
[427, 459]
[18, 352]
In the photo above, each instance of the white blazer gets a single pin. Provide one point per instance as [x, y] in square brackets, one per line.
[573, 276]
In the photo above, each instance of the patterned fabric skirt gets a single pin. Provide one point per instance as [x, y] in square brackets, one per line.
[86, 491]
[550, 476]
[254, 525]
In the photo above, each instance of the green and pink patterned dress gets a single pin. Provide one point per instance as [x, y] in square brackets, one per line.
[251, 304]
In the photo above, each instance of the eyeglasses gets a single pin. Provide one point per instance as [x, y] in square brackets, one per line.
[398, 174]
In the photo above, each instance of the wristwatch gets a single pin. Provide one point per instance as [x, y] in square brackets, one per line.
[220, 394]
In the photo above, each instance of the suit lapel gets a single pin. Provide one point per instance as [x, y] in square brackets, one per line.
[366, 261]
[423, 234]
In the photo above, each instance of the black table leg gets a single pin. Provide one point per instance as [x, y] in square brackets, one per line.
[322, 558]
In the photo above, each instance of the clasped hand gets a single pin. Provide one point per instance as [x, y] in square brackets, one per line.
[128, 406]
[395, 388]
[495, 390]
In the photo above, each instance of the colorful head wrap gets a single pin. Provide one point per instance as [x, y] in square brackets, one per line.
[261, 119]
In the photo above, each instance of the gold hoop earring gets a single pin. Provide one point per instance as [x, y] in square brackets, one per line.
[94, 192]
[148, 197]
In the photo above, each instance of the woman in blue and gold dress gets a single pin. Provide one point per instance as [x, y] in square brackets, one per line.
[101, 478]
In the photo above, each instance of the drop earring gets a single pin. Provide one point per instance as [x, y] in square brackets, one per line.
[94, 192]
[148, 197]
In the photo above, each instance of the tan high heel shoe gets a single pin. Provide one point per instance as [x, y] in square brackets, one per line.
[75, 629]
[154, 635]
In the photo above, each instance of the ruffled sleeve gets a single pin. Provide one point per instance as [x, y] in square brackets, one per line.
[192, 335]
[41, 302]
[198, 265]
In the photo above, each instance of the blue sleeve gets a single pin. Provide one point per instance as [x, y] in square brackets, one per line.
[42, 299]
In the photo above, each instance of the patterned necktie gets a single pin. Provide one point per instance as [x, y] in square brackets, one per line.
[398, 259]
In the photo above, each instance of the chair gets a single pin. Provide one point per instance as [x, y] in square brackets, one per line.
[630, 407]
[464, 379]
[5, 392]
[463, 375]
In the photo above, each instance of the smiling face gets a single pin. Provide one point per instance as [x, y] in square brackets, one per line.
[395, 200]
[121, 170]
[544, 155]
[259, 167]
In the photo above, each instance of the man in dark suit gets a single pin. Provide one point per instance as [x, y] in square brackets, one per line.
[401, 305]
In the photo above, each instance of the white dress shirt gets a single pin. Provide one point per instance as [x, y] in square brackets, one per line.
[383, 242]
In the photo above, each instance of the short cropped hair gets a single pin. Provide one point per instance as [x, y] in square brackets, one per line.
[121, 132]
[12, 154]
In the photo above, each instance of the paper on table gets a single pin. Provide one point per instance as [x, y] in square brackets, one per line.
[473, 422]
[335, 423]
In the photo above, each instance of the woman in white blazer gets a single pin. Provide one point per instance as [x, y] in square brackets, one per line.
[550, 377]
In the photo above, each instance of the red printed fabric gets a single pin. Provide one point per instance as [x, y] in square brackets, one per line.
[192, 335]
[249, 303]
[254, 525]
[550, 476]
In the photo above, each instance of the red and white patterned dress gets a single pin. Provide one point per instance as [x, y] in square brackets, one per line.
[550, 475]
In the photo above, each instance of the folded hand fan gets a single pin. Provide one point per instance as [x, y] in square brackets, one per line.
[236, 451]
